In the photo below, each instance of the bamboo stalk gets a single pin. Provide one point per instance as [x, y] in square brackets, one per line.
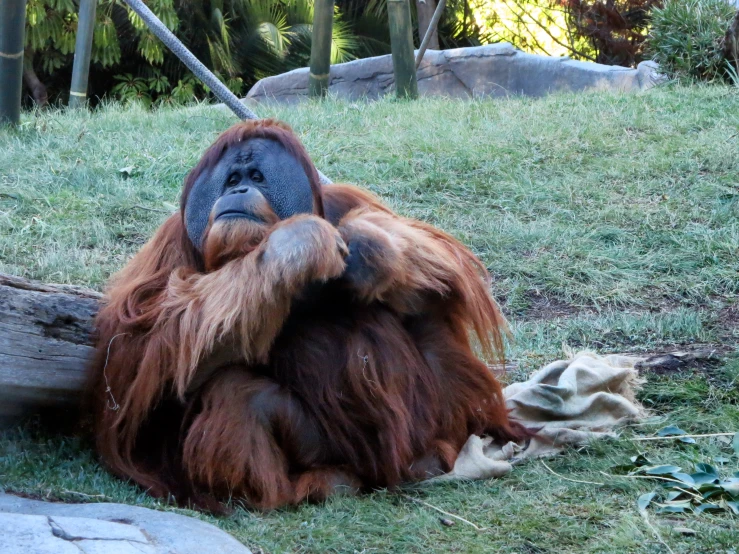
[82, 54]
[430, 31]
[12, 31]
[320, 50]
[401, 42]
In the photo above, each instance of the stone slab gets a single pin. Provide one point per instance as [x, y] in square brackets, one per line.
[36, 527]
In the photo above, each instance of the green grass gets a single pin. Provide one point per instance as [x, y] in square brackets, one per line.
[609, 221]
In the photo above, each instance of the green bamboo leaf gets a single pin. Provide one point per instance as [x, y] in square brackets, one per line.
[731, 487]
[707, 507]
[662, 470]
[645, 499]
[670, 431]
[683, 478]
[681, 509]
[640, 460]
[709, 489]
[707, 468]
[701, 478]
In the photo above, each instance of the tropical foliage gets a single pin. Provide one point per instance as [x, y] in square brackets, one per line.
[243, 41]
[611, 32]
[240, 40]
[686, 39]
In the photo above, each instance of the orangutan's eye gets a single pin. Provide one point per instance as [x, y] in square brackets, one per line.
[256, 176]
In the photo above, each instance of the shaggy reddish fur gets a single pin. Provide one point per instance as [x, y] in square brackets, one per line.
[265, 370]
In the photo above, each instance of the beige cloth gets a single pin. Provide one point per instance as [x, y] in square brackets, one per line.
[570, 401]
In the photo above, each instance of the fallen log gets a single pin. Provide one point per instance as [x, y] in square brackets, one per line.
[46, 340]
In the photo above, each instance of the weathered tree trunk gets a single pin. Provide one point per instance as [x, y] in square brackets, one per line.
[425, 10]
[46, 340]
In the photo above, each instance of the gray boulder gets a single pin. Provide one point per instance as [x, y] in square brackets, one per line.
[481, 71]
[35, 527]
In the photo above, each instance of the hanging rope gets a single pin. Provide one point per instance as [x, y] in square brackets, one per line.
[201, 72]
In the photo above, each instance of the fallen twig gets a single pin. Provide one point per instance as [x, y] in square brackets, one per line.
[443, 512]
[672, 437]
[84, 494]
[645, 517]
[645, 477]
[150, 209]
[567, 478]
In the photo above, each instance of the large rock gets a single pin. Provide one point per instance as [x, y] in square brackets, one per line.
[35, 527]
[492, 70]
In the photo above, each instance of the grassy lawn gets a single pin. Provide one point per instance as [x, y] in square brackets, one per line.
[609, 222]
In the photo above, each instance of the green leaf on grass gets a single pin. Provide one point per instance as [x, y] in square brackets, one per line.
[674, 495]
[645, 499]
[702, 477]
[733, 506]
[683, 478]
[710, 493]
[706, 468]
[640, 460]
[674, 509]
[707, 507]
[731, 486]
[735, 444]
[675, 431]
[636, 462]
[670, 431]
[127, 171]
[662, 470]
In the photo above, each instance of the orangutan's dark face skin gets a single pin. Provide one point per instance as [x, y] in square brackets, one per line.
[257, 180]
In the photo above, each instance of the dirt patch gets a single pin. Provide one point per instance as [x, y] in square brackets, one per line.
[727, 321]
[544, 308]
